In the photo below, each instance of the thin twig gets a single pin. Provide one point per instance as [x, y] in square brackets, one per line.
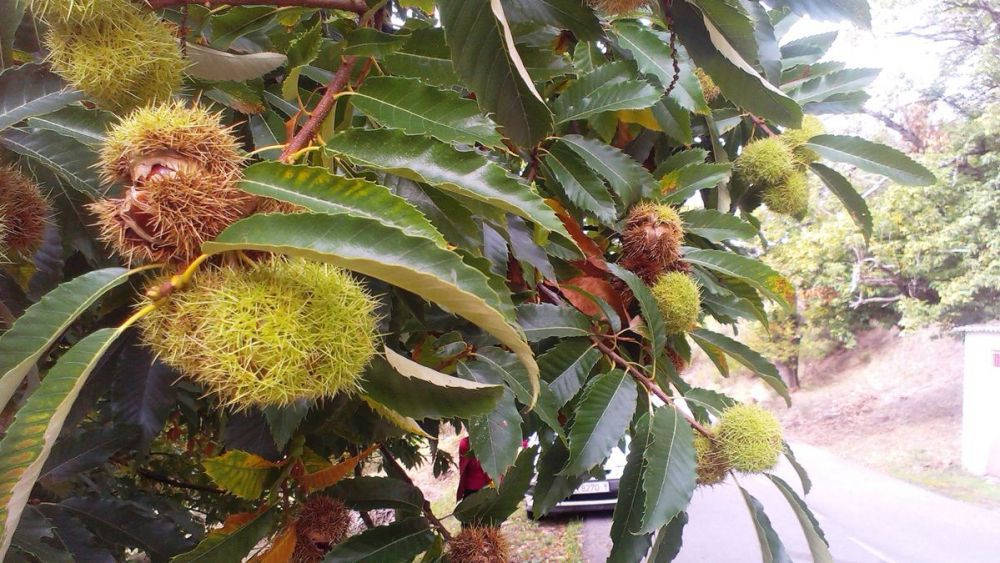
[629, 368]
[322, 109]
[356, 6]
[763, 125]
[175, 483]
[648, 383]
[387, 457]
[669, 17]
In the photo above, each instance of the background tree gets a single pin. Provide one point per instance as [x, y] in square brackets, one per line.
[534, 205]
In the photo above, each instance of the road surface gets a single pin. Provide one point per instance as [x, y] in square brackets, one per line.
[867, 517]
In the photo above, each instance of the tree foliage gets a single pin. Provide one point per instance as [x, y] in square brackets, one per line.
[472, 163]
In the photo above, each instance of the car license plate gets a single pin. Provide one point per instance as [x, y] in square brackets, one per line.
[592, 487]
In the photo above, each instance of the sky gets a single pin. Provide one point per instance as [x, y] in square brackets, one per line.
[909, 64]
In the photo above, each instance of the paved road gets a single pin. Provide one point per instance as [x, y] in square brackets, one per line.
[867, 517]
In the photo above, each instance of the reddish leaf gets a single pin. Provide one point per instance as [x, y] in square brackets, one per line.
[281, 549]
[333, 474]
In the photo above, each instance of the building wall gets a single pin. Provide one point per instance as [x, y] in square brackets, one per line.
[981, 404]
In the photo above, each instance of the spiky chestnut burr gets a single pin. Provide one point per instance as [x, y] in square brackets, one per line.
[708, 86]
[796, 139]
[24, 213]
[790, 197]
[750, 438]
[479, 545]
[651, 240]
[268, 334]
[180, 167]
[712, 464]
[120, 62]
[765, 162]
[322, 523]
[679, 301]
[76, 11]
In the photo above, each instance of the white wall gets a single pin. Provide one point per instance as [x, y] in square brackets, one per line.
[981, 404]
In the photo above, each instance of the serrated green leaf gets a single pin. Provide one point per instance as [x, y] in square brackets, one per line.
[807, 50]
[418, 391]
[799, 470]
[668, 540]
[818, 546]
[655, 330]
[492, 506]
[576, 103]
[564, 14]
[669, 479]
[424, 56]
[823, 87]
[70, 159]
[495, 437]
[855, 11]
[600, 420]
[845, 192]
[687, 181]
[128, 523]
[851, 102]
[483, 53]
[29, 90]
[85, 125]
[872, 157]
[238, 21]
[468, 174]
[44, 322]
[717, 226]
[580, 184]
[544, 320]
[284, 420]
[368, 42]
[368, 247]
[759, 275]
[29, 439]
[551, 488]
[417, 109]
[232, 542]
[733, 24]
[319, 190]
[627, 545]
[628, 178]
[771, 548]
[652, 55]
[746, 356]
[734, 76]
[241, 473]
[566, 367]
[369, 492]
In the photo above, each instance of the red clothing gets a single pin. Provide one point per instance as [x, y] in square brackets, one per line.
[471, 476]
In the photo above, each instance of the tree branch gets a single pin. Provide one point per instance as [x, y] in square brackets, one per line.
[648, 383]
[356, 6]
[175, 483]
[387, 457]
[322, 109]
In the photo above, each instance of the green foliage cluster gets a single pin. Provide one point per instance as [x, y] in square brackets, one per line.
[349, 233]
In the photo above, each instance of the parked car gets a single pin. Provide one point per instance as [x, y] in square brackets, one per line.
[592, 495]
